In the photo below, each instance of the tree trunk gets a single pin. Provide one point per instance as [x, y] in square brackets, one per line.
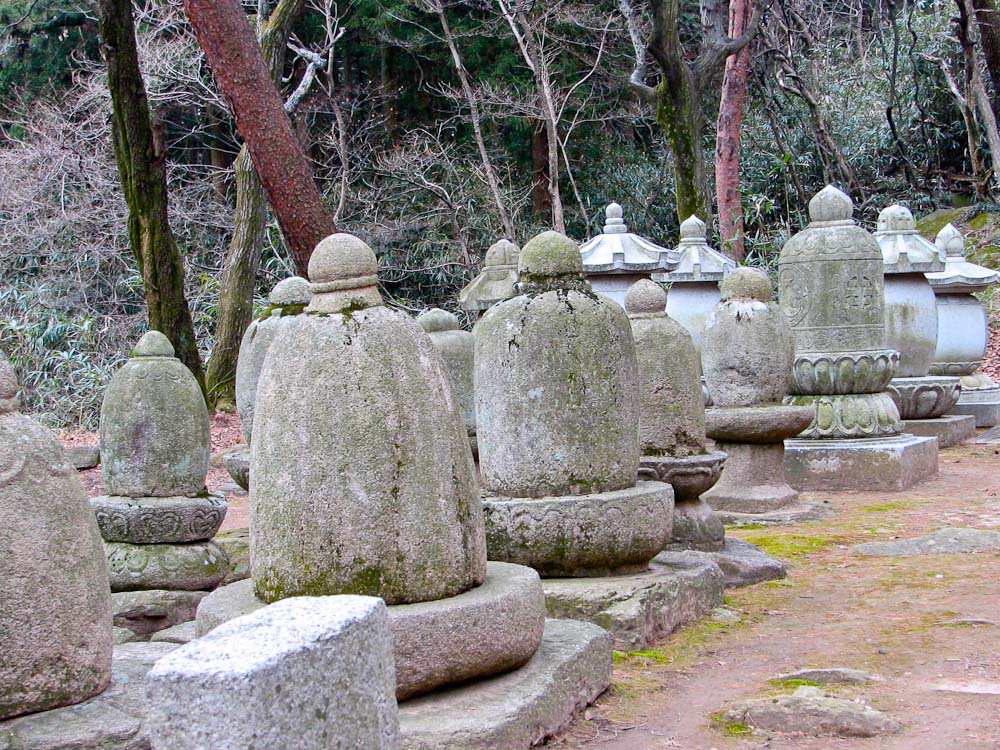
[249, 224]
[727, 144]
[140, 151]
[988, 19]
[244, 80]
[541, 202]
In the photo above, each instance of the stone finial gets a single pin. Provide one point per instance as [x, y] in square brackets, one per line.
[614, 224]
[436, 319]
[344, 274]
[8, 386]
[829, 205]
[501, 253]
[551, 260]
[950, 240]
[746, 283]
[291, 291]
[645, 297]
[693, 229]
[896, 218]
[153, 344]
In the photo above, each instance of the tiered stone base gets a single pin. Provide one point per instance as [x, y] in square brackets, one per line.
[951, 429]
[924, 397]
[604, 533]
[753, 480]
[489, 629]
[193, 566]
[741, 563]
[640, 609]
[520, 709]
[696, 525]
[884, 463]
[983, 405]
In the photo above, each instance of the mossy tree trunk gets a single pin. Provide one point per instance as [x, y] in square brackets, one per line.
[250, 222]
[140, 151]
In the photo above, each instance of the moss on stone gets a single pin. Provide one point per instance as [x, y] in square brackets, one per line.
[282, 310]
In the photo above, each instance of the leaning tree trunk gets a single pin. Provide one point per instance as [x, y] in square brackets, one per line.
[245, 81]
[243, 256]
[140, 151]
[988, 19]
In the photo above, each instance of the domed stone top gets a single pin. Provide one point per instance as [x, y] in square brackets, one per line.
[903, 249]
[291, 291]
[551, 260]
[959, 275]
[831, 205]
[614, 223]
[8, 386]
[645, 297]
[436, 319]
[501, 253]
[153, 344]
[344, 274]
[896, 218]
[746, 283]
[694, 259]
[692, 228]
[951, 241]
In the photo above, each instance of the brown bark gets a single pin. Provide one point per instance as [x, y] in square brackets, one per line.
[541, 200]
[988, 19]
[244, 80]
[140, 152]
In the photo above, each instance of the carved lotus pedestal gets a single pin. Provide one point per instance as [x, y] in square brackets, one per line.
[696, 525]
[924, 403]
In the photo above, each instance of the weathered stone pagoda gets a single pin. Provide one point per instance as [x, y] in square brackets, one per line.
[55, 619]
[457, 349]
[497, 280]
[617, 258]
[747, 352]
[830, 288]
[911, 328]
[383, 502]
[157, 519]
[963, 329]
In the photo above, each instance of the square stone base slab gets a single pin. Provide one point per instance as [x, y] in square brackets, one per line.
[950, 429]
[802, 510]
[883, 464]
[741, 563]
[989, 437]
[987, 413]
[517, 710]
[639, 609]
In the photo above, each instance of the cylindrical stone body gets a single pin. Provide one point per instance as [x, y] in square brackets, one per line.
[154, 429]
[753, 479]
[306, 673]
[457, 349]
[911, 324]
[362, 480]
[556, 396]
[253, 349]
[690, 303]
[963, 334]
[55, 604]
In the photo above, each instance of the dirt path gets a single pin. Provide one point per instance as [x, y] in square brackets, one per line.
[890, 616]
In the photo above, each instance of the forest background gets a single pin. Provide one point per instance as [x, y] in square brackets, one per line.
[435, 127]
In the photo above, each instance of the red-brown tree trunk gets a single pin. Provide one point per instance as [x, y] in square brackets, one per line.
[235, 59]
[541, 199]
[727, 143]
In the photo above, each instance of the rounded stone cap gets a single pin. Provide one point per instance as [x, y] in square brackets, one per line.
[436, 319]
[831, 204]
[692, 228]
[8, 386]
[950, 240]
[153, 344]
[501, 253]
[550, 255]
[645, 297]
[291, 291]
[896, 218]
[746, 283]
[344, 274]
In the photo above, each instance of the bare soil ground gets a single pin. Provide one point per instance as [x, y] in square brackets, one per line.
[895, 617]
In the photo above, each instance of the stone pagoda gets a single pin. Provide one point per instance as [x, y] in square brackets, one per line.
[157, 519]
[911, 328]
[457, 348]
[497, 280]
[963, 329]
[831, 290]
[672, 417]
[747, 352]
[616, 259]
[55, 624]
[383, 501]
[694, 280]
[287, 299]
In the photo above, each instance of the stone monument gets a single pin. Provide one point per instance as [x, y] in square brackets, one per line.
[963, 329]
[55, 606]
[287, 299]
[911, 329]
[748, 351]
[616, 259]
[831, 290]
[495, 282]
[383, 502]
[157, 519]
[457, 348]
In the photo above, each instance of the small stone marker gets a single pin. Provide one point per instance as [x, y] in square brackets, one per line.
[830, 675]
[306, 673]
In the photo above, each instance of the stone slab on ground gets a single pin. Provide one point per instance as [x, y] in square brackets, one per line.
[113, 720]
[830, 676]
[950, 429]
[864, 464]
[520, 709]
[82, 457]
[741, 563]
[146, 612]
[179, 634]
[989, 437]
[639, 609]
[943, 541]
[812, 712]
[803, 510]
[987, 413]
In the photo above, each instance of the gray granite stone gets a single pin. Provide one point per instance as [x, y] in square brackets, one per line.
[159, 520]
[82, 457]
[180, 634]
[943, 541]
[950, 429]
[236, 545]
[185, 567]
[741, 563]
[306, 673]
[888, 463]
[149, 611]
[237, 463]
[986, 412]
[831, 676]
[924, 397]
[753, 479]
[457, 348]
